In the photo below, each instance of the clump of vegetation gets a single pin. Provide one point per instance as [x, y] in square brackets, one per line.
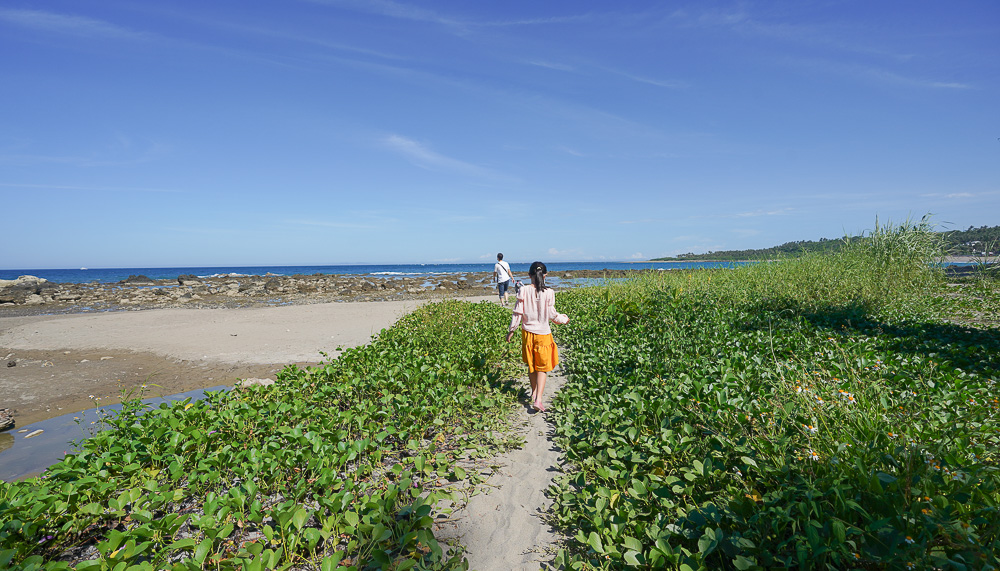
[974, 242]
[833, 411]
[814, 412]
[334, 466]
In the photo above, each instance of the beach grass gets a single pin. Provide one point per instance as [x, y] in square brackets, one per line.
[815, 412]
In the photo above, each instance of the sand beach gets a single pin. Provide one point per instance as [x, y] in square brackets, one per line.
[59, 363]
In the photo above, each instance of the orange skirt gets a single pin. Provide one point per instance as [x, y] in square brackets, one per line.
[539, 352]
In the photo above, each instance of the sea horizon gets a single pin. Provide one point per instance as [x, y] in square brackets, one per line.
[112, 275]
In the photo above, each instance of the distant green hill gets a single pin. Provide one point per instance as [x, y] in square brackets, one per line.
[959, 243]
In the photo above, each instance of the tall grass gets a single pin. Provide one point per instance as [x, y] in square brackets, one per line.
[885, 270]
[797, 413]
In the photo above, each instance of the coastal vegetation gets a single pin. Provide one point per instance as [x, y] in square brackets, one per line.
[334, 465]
[822, 412]
[983, 241]
[831, 411]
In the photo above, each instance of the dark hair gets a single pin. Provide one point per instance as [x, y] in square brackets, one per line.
[537, 272]
[499, 256]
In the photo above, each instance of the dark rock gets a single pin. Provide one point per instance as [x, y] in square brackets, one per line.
[188, 279]
[6, 419]
[11, 363]
[136, 279]
[20, 290]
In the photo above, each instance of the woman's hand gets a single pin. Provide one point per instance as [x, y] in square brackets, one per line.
[510, 336]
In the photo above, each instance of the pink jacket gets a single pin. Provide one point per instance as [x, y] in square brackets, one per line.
[535, 311]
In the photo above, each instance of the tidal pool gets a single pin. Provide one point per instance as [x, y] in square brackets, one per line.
[22, 457]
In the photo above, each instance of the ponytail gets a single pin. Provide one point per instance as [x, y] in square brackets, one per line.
[537, 273]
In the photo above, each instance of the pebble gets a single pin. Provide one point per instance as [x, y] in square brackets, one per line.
[35, 433]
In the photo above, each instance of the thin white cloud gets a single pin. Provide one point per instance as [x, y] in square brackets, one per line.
[396, 10]
[570, 151]
[760, 212]
[331, 224]
[551, 65]
[668, 83]
[892, 77]
[557, 252]
[950, 195]
[67, 24]
[86, 188]
[421, 156]
[105, 158]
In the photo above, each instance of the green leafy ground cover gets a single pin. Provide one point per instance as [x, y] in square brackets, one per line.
[816, 413]
[335, 466]
[836, 411]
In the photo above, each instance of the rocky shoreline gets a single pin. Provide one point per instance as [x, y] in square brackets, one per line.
[29, 295]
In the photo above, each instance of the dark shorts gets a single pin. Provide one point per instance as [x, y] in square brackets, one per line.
[502, 287]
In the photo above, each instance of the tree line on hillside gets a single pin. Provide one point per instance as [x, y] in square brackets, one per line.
[984, 240]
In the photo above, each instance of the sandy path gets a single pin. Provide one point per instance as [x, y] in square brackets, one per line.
[60, 360]
[502, 526]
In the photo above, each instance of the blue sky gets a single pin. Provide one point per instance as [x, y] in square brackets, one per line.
[182, 133]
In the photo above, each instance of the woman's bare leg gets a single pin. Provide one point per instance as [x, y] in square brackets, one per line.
[539, 389]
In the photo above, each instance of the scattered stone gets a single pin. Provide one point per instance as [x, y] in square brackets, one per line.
[11, 363]
[6, 419]
[34, 434]
[244, 383]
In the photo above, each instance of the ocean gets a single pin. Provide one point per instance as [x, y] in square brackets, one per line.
[114, 275]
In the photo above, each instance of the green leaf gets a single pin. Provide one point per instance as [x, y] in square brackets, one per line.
[202, 551]
[330, 562]
[631, 558]
[594, 541]
[632, 543]
[839, 533]
[299, 518]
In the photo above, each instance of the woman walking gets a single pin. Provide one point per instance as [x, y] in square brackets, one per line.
[535, 307]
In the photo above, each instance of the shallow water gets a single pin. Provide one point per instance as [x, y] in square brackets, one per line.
[21, 457]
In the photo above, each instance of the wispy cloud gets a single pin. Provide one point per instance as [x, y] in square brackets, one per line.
[105, 158]
[949, 195]
[571, 252]
[76, 188]
[668, 83]
[551, 65]
[401, 11]
[396, 10]
[893, 77]
[760, 212]
[333, 224]
[68, 24]
[421, 156]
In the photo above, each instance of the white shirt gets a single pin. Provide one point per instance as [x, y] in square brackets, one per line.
[502, 270]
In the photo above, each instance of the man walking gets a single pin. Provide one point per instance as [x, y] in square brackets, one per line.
[502, 275]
